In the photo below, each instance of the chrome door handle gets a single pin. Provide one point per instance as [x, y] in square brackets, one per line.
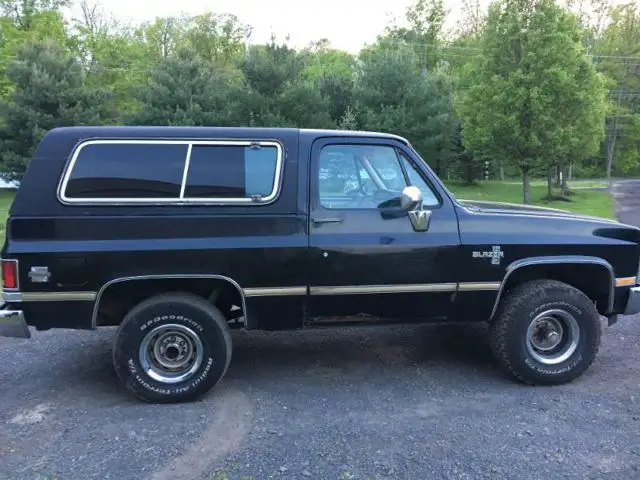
[318, 221]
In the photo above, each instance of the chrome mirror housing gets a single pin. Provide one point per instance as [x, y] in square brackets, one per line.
[411, 202]
[411, 198]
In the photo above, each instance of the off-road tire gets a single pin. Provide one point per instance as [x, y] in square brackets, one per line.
[186, 309]
[508, 332]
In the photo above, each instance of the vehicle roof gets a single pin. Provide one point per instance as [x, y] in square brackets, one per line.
[52, 154]
[80, 132]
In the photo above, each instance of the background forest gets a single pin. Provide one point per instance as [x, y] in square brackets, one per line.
[528, 89]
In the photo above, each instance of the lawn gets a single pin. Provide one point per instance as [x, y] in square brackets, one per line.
[575, 184]
[598, 203]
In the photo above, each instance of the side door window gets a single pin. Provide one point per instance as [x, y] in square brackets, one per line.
[429, 199]
[367, 177]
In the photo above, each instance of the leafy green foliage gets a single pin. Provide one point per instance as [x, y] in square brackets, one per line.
[619, 60]
[23, 22]
[183, 90]
[49, 91]
[218, 39]
[277, 92]
[463, 162]
[23, 12]
[424, 31]
[533, 98]
[393, 94]
[349, 120]
[331, 71]
[515, 85]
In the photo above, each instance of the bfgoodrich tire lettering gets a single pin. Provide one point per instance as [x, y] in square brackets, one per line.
[569, 316]
[186, 321]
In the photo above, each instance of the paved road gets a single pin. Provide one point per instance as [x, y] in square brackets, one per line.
[412, 402]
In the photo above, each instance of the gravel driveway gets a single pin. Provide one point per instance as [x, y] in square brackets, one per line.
[413, 402]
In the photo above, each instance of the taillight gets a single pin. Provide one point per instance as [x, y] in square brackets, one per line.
[9, 274]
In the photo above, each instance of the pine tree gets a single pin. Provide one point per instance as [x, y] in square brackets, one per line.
[185, 90]
[349, 120]
[394, 95]
[48, 91]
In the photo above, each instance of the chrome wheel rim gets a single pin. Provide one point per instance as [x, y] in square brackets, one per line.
[553, 336]
[171, 353]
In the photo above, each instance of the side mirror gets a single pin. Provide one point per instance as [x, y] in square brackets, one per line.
[411, 198]
[411, 202]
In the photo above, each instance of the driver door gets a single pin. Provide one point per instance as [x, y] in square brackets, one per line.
[365, 255]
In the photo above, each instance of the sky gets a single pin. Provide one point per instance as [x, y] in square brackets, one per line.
[348, 24]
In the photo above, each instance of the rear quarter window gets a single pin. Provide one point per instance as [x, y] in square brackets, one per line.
[117, 170]
[173, 171]
[231, 171]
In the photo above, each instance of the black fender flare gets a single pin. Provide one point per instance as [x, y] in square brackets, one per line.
[555, 260]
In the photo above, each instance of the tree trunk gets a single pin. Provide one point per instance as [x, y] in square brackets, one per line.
[469, 173]
[565, 174]
[549, 182]
[612, 143]
[610, 148]
[525, 186]
[501, 172]
[557, 176]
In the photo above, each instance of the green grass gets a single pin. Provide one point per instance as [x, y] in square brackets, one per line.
[598, 203]
[577, 184]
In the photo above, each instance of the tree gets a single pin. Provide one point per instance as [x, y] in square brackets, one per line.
[162, 38]
[218, 39]
[24, 21]
[112, 55]
[618, 57]
[592, 16]
[425, 23]
[473, 21]
[349, 120]
[568, 86]
[467, 165]
[183, 90]
[277, 93]
[331, 71]
[49, 91]
[270, 68]
[23, 12]
[533, 97]
[393, 94]
[303, 105]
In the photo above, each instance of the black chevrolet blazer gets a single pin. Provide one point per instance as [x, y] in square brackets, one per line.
[178, 235]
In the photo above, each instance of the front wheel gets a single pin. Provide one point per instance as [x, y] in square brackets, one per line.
[172, 347]
[546, 333]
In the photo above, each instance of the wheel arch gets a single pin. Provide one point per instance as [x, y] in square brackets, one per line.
[531, 267]
[159, 277]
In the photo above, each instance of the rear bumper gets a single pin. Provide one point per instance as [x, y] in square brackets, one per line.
[13, 324]
[633, 302]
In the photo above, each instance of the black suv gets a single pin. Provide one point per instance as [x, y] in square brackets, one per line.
[179, 235]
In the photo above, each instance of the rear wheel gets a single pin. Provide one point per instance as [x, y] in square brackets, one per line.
[172, 347]
[546, 333]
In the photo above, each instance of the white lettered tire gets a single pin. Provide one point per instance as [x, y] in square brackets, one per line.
[546, 332]
[173, 347]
